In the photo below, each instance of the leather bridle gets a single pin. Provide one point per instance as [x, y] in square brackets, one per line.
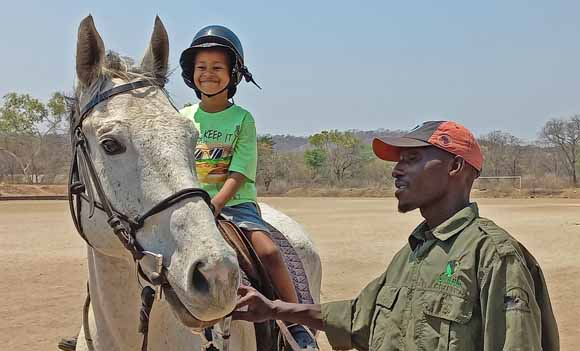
[84, 182]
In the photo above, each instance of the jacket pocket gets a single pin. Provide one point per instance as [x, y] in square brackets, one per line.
[384, 326]
[445, 319]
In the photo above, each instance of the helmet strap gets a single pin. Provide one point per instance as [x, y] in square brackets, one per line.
[219, 92]
[214, 94]
[248, 76]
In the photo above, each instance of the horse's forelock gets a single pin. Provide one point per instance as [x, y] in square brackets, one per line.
[123, 67]
[115, 66]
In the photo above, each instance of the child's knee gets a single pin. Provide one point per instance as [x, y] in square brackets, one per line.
[270, 255]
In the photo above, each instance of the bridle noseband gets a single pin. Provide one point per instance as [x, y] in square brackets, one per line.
[84, 182]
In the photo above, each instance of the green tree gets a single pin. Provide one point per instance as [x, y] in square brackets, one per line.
[25, 126]
[315, 159]
[343, 150]
[21, 114]
[57, 121]
[266, 142]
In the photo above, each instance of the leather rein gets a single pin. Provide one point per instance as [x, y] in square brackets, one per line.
[85, 185]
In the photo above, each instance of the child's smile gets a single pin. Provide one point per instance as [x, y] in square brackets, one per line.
[211, 72]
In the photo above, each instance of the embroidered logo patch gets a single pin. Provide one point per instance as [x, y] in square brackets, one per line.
[445, 139]
[447, 277]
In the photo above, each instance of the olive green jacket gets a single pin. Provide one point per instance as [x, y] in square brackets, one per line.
[466, 285]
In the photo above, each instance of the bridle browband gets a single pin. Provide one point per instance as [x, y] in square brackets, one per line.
[84, 182]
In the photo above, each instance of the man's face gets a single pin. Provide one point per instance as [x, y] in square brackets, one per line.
[421, 177]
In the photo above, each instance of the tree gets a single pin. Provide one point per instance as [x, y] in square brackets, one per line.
[343, 150]
[21, 114]
[25, 125]
[315, 159]
[269, 165]
[502, 153]
[565, 135]
[57, 121]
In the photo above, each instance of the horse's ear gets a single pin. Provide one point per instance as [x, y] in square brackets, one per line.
[156, 59]
[90, 52]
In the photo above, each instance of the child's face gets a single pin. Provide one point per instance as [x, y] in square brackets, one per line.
[211, 72]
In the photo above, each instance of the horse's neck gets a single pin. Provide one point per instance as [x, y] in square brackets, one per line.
[115, 303]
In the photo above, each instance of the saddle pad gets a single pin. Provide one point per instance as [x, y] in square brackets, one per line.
[294, 264]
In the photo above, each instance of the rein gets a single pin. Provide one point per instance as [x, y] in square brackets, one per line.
[84, 182]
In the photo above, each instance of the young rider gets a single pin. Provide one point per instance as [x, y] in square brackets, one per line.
[226, 150]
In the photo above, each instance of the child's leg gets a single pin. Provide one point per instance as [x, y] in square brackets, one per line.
[274, 264]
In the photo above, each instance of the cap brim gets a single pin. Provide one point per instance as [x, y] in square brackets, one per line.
[389, 149]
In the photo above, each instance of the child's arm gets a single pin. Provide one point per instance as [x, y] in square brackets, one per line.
[243, 166]
[229, 189]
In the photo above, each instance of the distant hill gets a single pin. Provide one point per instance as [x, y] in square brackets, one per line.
[299, 143]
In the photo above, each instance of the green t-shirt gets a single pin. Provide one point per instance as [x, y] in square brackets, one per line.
[226, 143]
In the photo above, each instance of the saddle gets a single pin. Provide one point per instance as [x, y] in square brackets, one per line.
[248, 259]
[268, 334]
[257, 276]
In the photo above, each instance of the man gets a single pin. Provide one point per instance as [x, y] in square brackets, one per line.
[461, 282]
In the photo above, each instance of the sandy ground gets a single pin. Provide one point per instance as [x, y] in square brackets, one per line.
[43, 279]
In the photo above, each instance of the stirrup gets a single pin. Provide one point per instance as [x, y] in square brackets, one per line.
[291, 341]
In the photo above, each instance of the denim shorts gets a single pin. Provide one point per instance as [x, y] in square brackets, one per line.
[246, 216]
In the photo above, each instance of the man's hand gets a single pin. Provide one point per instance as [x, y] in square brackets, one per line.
[260, 309]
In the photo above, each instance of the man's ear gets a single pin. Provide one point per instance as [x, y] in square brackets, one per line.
[456, 165]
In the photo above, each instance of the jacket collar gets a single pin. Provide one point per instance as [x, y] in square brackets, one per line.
[446, 230]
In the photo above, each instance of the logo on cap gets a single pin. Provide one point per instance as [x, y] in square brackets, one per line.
[445, 139]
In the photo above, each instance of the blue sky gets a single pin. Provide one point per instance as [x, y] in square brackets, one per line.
[508, 65]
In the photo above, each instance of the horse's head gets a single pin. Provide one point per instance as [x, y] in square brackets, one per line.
[142, 151]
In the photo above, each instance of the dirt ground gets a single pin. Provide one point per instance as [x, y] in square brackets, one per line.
[43, 279]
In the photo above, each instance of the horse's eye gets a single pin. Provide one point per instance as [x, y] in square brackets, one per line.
[112, 146]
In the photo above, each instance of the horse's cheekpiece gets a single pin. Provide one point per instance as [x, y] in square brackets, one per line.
[84, 181]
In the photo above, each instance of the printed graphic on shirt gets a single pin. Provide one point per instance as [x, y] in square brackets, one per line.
[213, 162]
[448, 276]
[214, 135]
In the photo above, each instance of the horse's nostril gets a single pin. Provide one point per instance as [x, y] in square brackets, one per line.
[198, 280]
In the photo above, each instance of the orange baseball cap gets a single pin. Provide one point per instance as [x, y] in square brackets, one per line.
[446, 135]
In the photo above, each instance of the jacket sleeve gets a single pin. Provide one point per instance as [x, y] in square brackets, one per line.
[347, 323]
[511, 318]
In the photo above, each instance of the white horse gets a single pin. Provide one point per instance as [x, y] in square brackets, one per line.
[142, 151]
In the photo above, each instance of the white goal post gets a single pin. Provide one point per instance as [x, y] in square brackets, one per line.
[518, 179]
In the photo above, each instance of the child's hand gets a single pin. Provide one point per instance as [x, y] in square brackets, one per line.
[217, 206]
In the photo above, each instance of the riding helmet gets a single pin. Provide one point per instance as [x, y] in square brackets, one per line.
[216, 36]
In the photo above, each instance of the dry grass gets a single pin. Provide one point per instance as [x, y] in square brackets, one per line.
[288, 191]
[32, 189]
